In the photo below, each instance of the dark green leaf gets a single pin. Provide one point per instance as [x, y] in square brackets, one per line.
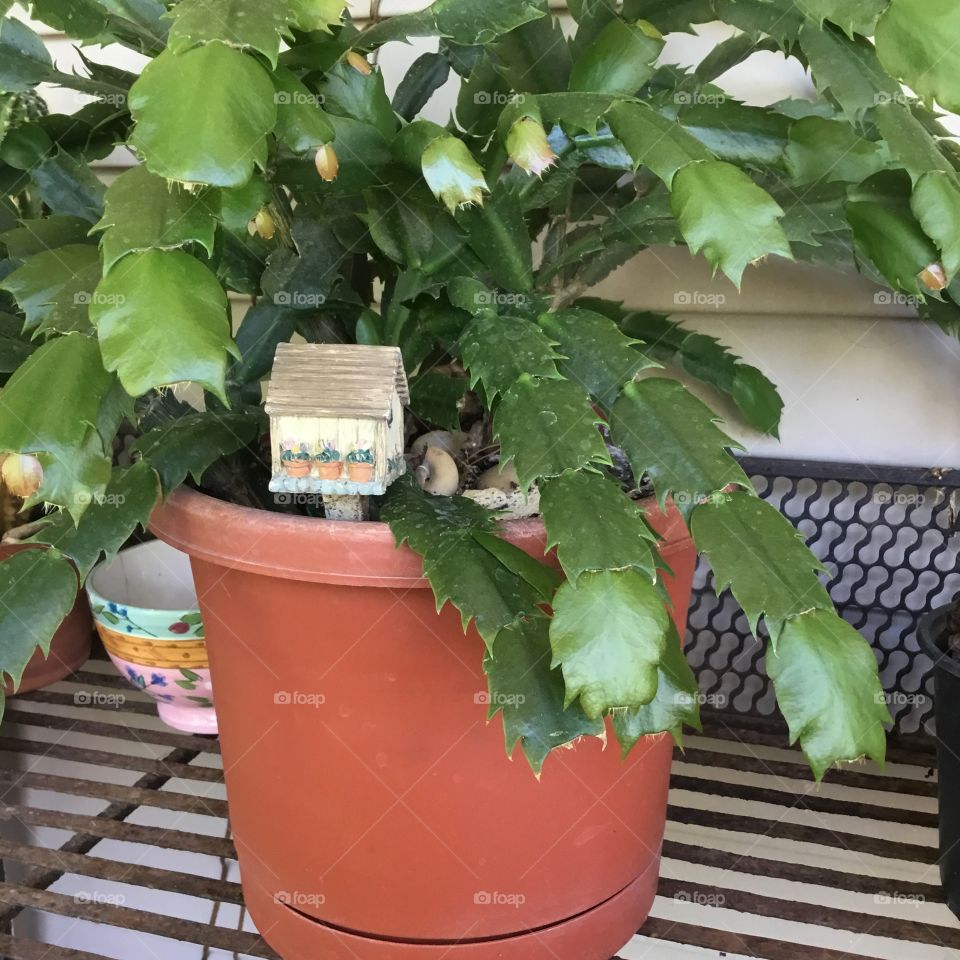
[427, 74]
[434, 398]
[534, 58]
[264, 326]
[733, 131]
[301, 123]
[49, 233]
[69, 187]
[543, 579]
[620, 60]
[350, 93]
[852, 16]
[497, 234]
[24, 61]
[830, 150]
[910, 142]
[936, 204]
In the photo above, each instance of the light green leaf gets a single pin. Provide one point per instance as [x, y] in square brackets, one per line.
[460, 569]
[497, 351]
[848, 69]
[108, 522]
[852, 16]
[427, 74]
[203, 116]
[676, 702]
[38, 589]
[782, 21]
[161, 318]
[599, 357]
[757, 399]
[239, 205]
[830, 150]
[910, 142]
[190, 444]
[595, 526]
[936, 204]
[722, 212]
[620, 60]
[360, 96]
[609, 633]
[81, 19]
[244, 24]
[301, 123]
[49, 233]
[144, 212]
[916, 42]
[50, 408]
[467, 22]
[670, 435]
[756, 551]
[24, 60]
[825, 677]
[530, 693]
[654, 141]
[546, 427]
[310, 16]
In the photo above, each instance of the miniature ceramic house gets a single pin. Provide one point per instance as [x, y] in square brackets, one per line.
[336, 418]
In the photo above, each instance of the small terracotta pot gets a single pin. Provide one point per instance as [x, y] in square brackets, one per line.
[297, 468]
[330, 470]
[407, 832]
[69, 649]
[360, 472]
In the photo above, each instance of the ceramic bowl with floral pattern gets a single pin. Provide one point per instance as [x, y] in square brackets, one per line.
[145, 609]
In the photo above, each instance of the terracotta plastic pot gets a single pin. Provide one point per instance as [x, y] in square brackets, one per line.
[330, 470]
[69, 649]
[360, 472]
[297, 468]
[375, 813]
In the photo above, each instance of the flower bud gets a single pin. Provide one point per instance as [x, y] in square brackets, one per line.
[328, 166]
[22, 474]
[528, 147]
[452, 173]
[359, 62]
[264, 224]
[934, 277]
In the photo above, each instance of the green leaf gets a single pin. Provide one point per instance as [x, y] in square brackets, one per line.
[467, 22]
[913, 147]
[577, 111]
[203, 116]
[595, 526]
[670, 435]
[145, 212]
[189, 674]
[427, 74]
[348, 92]
[304, 277]
[936, 204]
[460, 569]
[80, 19]
[264, 326]
[24, 60]
[45, 282]
[848, 69]
[825, 677]
[244, 24]
[736, 132]
[654, 141]
[530, 694]
[239, 205]
[70, 187]
[301, 123]
[813, 212]
[722, 212]
[609, 633]
[756, 551]
[434, 397]
[310, 16]
[51, 406]
[782, 21]
[497, 234]
[543, 579]
[190, 444]
[38, 588]
[108, 522]
[830, 150]
[916, 43]
[852, 16]
[186, 684]
[670, 16]
[676, 702]
[729, 53]
[161, 318]
[757, 399]
[599, 357]
[48, 233]
[546, 427]
[620, 60]
[498, 351]
[534, 58]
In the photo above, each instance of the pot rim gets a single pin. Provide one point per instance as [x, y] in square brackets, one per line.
[930, 636]
[316, 550]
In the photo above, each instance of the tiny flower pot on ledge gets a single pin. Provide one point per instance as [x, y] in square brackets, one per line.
[375, 813]
[933, 635]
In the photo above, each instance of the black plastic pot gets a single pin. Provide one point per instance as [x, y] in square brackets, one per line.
[946, 674]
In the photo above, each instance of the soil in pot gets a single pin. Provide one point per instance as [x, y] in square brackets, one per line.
[374, 810]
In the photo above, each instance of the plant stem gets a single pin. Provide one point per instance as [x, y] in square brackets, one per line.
[86, 84]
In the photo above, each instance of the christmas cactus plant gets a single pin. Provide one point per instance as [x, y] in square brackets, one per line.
[271, 163]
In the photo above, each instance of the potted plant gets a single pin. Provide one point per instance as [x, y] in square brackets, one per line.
[473, 246]
[329, 461]
[360, 463]
[295, 458]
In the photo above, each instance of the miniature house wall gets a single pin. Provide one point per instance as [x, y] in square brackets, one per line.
[336, 418]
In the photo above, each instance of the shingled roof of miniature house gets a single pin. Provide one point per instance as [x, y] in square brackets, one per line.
[335, 380]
